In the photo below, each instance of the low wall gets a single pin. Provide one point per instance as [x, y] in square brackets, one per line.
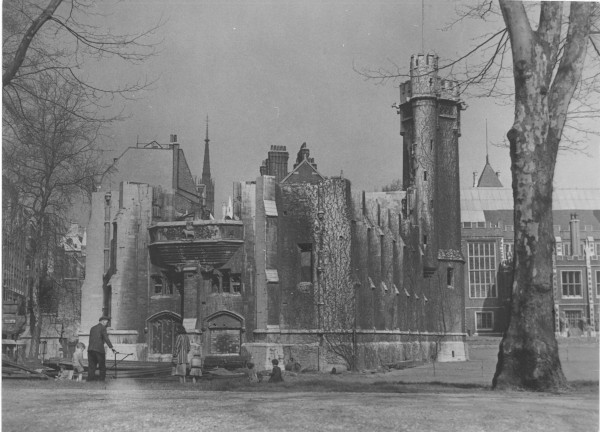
[374, 349]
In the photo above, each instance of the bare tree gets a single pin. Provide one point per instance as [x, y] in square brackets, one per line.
[544, 87]
[58, 37]
[50, 158]
[396, 185]
[555, 87]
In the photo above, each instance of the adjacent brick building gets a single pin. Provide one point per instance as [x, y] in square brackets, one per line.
[488, 238]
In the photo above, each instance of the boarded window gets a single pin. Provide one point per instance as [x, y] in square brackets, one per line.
[162, 334]
[225, 341]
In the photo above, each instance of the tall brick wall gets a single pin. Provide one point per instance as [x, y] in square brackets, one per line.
[92, 294]
[130, 283]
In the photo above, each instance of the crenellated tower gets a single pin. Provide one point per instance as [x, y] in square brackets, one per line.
[430, 126]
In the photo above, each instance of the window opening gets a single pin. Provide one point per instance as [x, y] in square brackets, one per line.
[226, 286]
[485, 320]
[450, 277]
[571, 283]
[236, 283]
[574, 318]
[306, 260]
[482, 270]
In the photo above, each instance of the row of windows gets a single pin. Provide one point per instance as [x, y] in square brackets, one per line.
[487, 225]
[484, 320]
[571, 283]
[564, 249]
[482, 272]
[222, 282]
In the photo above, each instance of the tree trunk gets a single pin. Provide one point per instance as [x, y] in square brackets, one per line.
[35, 312]
[528, 356]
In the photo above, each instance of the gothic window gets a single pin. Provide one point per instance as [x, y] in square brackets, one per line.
[225, 333]
[161, 329]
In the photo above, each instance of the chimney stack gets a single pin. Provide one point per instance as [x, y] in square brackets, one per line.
[575, 240]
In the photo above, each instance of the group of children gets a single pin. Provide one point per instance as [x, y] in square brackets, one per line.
[275, 375]
[78, 368]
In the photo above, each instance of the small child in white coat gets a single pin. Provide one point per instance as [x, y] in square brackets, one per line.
[78, 360]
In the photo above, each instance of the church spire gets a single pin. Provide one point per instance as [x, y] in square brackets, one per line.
[206, 168]
[207, 181]
[487, 154]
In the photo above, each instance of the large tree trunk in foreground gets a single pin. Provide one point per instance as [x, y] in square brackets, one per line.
[528, 356]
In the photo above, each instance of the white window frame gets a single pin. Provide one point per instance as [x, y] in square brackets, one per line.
[482, 279]
[562, 284]
[574, 320]
[559, 246]
[491, 314]
[509, 250]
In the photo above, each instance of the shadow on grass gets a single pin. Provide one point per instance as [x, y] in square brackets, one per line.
[322, 384]
[336, 386]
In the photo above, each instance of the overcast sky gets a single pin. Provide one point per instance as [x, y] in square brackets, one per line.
[281, 73]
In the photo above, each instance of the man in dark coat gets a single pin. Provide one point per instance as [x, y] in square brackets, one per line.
[96, 353]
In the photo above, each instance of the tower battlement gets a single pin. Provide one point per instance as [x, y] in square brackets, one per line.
[425, 82]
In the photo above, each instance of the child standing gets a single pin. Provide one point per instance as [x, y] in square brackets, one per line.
[78, 360]
[276, 373]
[251, 372]
[180, 353]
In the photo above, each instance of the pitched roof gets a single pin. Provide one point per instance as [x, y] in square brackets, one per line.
[475, 201]
[299, 167]
[488, 176]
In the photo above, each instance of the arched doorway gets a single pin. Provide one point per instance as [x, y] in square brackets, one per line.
[225, 333]
[161, 332]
